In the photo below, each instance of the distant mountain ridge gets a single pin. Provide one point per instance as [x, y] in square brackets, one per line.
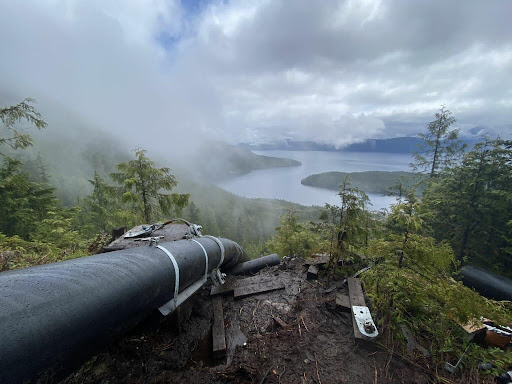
[394, 145]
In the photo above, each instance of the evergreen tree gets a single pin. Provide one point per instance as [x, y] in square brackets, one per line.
[99, 207]
[193, 212]
[405, 221]
[292, 238]
[441, 144]
[10, 116]
[23, 203]
[471, 205]
[144, 185]
[352, 216]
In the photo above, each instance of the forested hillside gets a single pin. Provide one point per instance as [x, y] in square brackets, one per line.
[61, 198]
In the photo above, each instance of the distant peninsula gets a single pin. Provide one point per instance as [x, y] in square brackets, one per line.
[225, 161]
[369, 182]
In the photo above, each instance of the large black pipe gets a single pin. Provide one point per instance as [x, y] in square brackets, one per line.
[487, 283]
[58, 313]
[253, 266]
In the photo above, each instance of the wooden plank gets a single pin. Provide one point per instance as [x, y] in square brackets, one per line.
[231, 283]
[246, 290]
[218, 331]
[343, 302]
[224, 289]
[356, 297]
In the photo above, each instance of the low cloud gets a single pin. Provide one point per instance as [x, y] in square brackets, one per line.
[159, 73]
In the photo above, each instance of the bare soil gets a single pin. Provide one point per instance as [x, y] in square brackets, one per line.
[315, 345]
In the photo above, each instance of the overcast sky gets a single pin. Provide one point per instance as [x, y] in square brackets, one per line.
[252, 71]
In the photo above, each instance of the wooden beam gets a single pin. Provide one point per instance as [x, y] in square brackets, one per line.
[246, 290]
[218, 331]
[231, 283]
[356, 296]
[343, 302]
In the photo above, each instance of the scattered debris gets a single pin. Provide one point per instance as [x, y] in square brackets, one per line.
[412, 344]
[505, 378]
[452, 368]
[312, 273]
[493, 334]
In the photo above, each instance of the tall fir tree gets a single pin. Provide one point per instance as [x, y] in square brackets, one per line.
[145, 186]
[441, 144]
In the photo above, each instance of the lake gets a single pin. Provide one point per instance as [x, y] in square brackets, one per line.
[284, 183]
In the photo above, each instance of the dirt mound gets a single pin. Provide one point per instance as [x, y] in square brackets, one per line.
[290, 335]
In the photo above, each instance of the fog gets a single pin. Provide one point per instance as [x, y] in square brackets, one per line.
[168, 75]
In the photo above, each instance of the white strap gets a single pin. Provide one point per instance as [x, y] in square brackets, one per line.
[176, 273]
[221, 246]
[206, 260]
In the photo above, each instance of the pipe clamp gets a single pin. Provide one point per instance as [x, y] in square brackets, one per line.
[176, 274]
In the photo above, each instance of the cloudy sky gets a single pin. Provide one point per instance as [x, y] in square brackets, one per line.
[254, 71]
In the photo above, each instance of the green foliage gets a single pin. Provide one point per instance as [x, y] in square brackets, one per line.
[24, 204]
[142, 184]
[441, 144]
[16, 252]
[59, 228]
[103, 210]
[430, 304]
[10, 116]
[292, 238]
[470, 206]
[345, 228]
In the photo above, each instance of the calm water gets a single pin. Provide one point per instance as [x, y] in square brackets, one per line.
[284, 183]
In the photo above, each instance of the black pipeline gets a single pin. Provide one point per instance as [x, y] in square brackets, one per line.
[253, 266]
[487, 283]
[59, 313]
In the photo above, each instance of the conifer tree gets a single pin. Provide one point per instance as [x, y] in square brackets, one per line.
[145, 186]
[441, 145]
[10, 116]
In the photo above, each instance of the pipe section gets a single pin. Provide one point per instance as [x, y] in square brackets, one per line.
[57, 314]
[253, 266]
[487, 283]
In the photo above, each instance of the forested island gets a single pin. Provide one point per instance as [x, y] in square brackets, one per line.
[370, 181]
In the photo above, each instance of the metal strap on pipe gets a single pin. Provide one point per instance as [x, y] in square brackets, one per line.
[221, 246]
[206, 260]
[176, 274]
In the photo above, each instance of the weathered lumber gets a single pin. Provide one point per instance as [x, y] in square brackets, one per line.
[246, 290]
[231, 283]
[224, 289]
[218, 331]
[343, 302]
[356, 297]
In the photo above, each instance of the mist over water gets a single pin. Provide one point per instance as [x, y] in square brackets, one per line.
[284, 183]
